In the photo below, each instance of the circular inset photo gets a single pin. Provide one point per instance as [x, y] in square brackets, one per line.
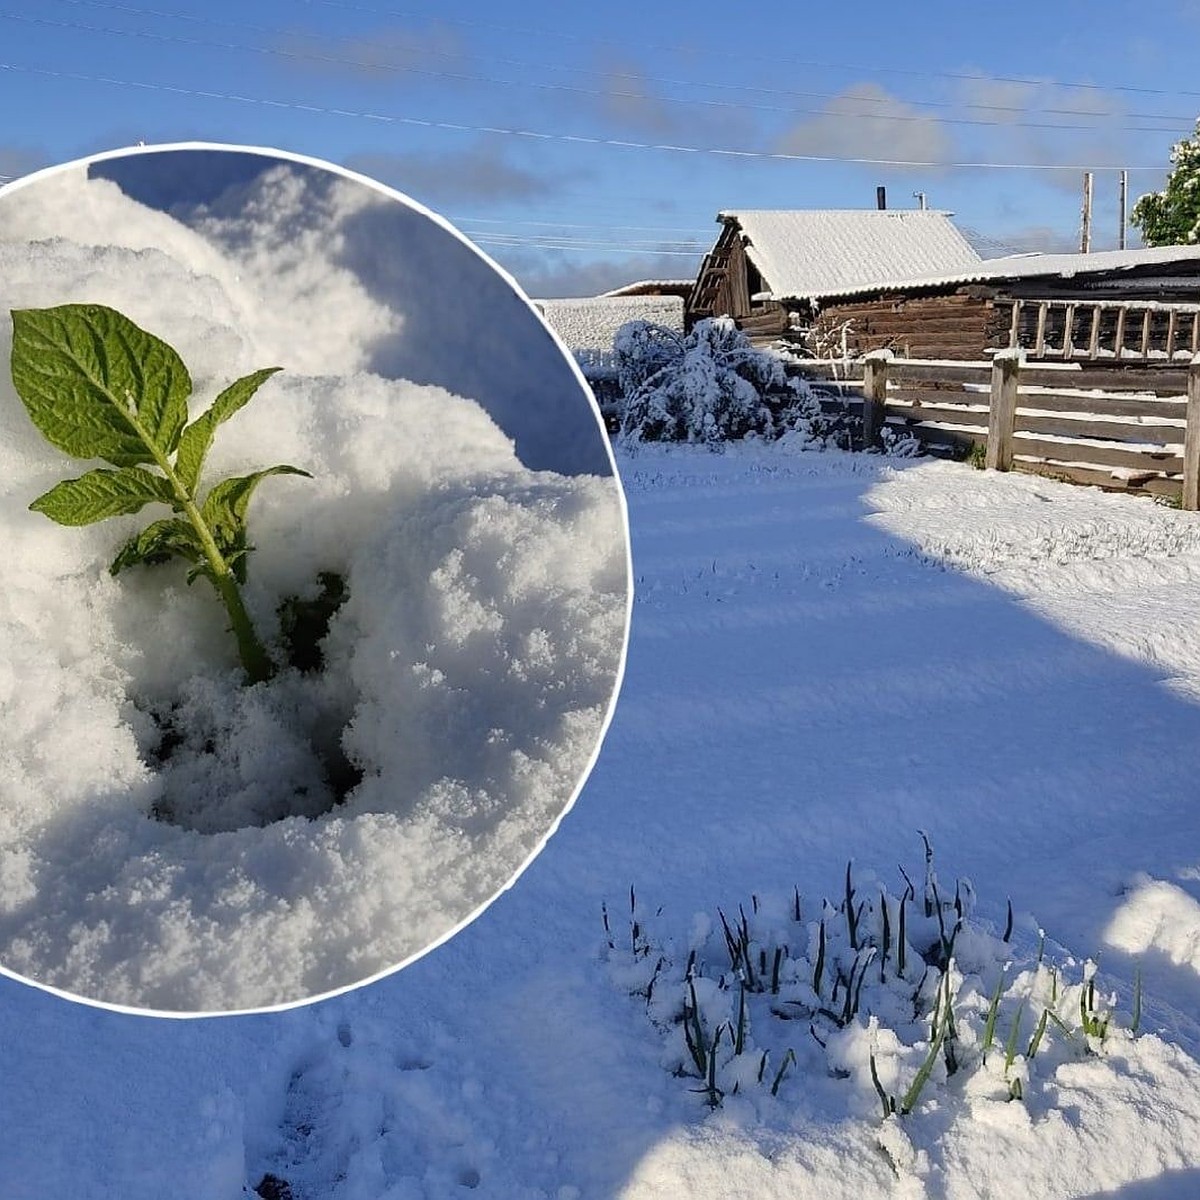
[316, 584]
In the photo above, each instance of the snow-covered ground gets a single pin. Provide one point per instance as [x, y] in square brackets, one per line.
[829, 652]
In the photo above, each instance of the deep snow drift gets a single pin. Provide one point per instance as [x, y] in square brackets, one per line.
[467, 679]
[829, 652]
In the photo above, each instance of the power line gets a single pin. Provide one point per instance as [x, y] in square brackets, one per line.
[605, 94]
[589, 248]
[543, 136]
[775, 60]
[573, 225]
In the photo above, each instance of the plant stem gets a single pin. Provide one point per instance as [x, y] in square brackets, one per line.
[255, 660]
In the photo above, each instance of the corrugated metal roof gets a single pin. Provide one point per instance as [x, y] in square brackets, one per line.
[805, 254]
[1029, 266]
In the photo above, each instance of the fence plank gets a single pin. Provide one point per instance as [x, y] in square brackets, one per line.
[1133, 405]
[976, 417]
[829, 368]
[936, 435]
[1108, 456]
[1155, 484]
[1113, 431]
[1015, 324]
[1109, 379]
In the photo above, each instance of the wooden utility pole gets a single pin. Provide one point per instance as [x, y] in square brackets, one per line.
[1124, 197]
[1085, 232]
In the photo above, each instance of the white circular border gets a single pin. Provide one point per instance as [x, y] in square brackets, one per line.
[585, 388]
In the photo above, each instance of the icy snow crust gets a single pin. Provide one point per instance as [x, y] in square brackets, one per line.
[472, 666]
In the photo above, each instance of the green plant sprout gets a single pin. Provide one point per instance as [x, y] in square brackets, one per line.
[98, 386]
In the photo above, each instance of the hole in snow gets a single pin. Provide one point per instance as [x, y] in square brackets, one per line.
[229, 757]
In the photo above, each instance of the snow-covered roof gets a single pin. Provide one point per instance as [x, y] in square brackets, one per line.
[803, 254]
[1029, 266]
[591, 323]
[640, 286]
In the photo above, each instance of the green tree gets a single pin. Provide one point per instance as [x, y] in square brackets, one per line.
[1172, 217]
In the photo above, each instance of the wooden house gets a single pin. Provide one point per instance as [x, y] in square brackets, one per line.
[1108, 307]
[769, 268]
[908, 280]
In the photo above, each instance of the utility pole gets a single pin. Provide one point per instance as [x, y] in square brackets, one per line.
[920, 199]
[1124, 208]
[1085, 234]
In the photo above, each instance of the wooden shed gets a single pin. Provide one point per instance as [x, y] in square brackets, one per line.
[767, 265]
[1111, 306]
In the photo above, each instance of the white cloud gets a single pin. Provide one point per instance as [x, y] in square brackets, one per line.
[865, 121]
[1049, 124]
[387, 54]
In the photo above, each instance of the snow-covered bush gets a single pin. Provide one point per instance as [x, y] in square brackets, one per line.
[895, 994]
[709, 385]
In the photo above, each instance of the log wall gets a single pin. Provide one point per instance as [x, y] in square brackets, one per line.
[958, 326]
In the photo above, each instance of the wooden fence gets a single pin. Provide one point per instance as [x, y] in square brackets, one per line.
[1121, 429]
[1122, 330]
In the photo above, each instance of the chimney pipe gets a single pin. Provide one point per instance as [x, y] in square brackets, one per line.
[881, 197]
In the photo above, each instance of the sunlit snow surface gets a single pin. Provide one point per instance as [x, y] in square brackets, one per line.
[472, 666]
[828, 653]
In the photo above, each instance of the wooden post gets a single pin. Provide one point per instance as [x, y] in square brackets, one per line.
[1002, 409]
[875, 367]
[1191, 441]
[1085, 229]
[1123, 204]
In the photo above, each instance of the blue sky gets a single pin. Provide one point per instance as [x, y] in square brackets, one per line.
[506, 118]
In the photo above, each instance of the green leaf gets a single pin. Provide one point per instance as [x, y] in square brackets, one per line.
[197, 437]
[224, 512]
[97, 385]
[170, 538]
[100, 494]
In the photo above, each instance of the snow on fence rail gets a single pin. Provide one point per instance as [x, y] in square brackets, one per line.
[1122, 429]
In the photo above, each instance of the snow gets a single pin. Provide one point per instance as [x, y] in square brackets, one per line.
[591, 324]
[805, 254]
[1032, 266]
[468, 676]
[828, 653]
[640, 286]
